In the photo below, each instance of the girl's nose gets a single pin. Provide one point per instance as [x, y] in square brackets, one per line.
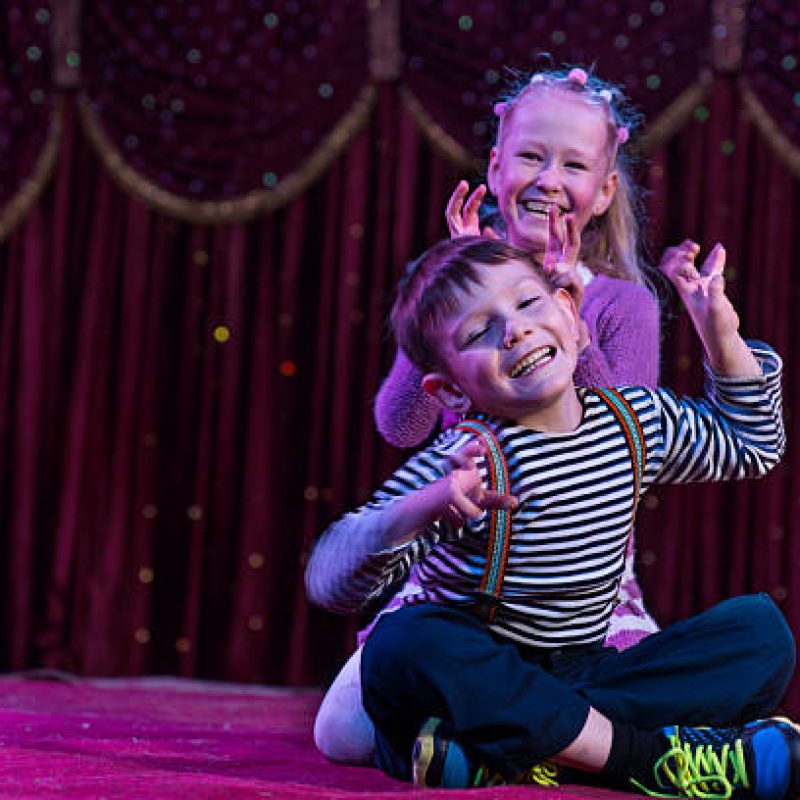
[547, 177]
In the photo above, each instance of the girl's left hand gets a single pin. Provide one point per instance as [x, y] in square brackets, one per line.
[563, 251]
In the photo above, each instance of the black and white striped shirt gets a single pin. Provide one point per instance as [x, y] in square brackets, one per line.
[570, 531]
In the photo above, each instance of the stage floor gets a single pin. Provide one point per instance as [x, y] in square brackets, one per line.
[173, 738]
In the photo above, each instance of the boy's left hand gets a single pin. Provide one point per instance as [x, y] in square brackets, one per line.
[711, 312]
[702, 291]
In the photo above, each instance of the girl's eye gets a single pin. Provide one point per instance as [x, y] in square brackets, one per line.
[530, 156]
[576, 165]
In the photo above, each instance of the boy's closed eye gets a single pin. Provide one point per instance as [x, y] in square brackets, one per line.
[476, 334]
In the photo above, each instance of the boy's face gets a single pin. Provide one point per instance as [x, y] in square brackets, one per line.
[510, 350]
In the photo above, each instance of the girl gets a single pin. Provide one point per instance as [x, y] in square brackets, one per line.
[561, 177]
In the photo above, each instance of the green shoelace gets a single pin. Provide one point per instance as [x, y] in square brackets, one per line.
[699, 771]
[544, 773]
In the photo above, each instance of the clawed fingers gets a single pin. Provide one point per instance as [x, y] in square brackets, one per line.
[456, 201]
[464, 458]
[474, 201]
[572, 241]
[715, 261]
[461, 212]
[675, 259]
[492, 499]
[461, 510]
[555, 244]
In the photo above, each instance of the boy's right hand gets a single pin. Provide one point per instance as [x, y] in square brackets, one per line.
[459, 496]
[462, 217]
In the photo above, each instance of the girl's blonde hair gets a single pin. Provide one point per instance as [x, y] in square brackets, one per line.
[610, 242]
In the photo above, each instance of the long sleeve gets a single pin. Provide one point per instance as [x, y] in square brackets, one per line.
[348, 567]
[735, 432]
[624, 328]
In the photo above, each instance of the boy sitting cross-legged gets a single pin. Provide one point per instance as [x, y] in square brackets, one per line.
[516, 524]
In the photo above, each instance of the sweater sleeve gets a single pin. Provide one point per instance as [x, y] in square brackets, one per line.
[623, 322]
[405, 414]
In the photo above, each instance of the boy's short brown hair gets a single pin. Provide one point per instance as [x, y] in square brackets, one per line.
[427, 292]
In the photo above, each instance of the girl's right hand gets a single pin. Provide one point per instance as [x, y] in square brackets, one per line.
[462, 217]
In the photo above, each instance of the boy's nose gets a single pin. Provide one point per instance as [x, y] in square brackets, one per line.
[516, 330]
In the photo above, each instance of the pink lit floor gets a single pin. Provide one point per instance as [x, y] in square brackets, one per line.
[171, 738]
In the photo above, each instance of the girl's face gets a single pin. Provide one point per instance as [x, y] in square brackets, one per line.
[553, 151]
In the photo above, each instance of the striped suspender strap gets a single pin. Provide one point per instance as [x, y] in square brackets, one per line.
[634, 436]
[488, 596]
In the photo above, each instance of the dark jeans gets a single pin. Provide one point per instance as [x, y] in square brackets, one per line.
[510, 706]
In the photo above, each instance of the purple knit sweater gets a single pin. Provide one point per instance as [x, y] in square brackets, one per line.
[622, 318]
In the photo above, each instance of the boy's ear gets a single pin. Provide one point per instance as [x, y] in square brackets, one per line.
[491, 171]
[606, 194]
[567, 304]
[449, 394]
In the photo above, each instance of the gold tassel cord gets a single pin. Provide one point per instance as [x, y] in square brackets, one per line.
[781, 145]
[21, 203]
[436, 134]
[675, 116]
[236, 209]
[664, 127]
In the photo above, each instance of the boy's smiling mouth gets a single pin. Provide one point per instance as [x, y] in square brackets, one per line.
[532, 361]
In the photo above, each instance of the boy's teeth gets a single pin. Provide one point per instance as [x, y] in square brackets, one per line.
[531, 361]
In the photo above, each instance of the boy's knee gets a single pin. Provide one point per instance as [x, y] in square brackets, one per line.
[416, 641]
[762, 623]
[414, 632]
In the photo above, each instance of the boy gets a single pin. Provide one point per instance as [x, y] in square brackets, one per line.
[521, 676]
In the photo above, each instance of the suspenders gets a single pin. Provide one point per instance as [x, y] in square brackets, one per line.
[487, 597]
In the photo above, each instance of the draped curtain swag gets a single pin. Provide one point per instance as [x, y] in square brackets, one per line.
[203, 212]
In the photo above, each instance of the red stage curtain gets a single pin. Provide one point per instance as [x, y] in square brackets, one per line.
[185, 407]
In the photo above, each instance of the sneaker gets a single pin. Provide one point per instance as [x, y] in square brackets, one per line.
[438, 760]
[760, 760]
